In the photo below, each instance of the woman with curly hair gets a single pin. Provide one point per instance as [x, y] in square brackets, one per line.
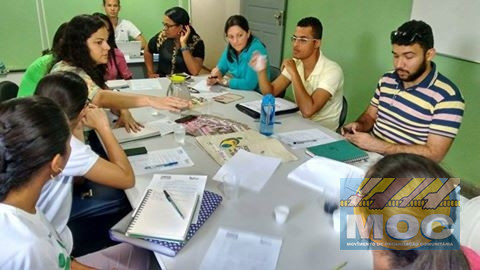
[178, 45]
[85, 52]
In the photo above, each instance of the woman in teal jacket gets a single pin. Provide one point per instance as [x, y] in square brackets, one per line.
[235, 58]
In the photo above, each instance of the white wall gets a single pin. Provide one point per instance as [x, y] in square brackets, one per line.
[208, 17]
[15, 77]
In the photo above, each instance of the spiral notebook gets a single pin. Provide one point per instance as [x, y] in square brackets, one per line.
[157, 218]
[209, 204]
[341, 150]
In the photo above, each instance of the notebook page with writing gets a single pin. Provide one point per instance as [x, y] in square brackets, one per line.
[157, 218]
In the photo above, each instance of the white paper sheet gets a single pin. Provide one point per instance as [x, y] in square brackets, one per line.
[202, 86]
[206, 91]
[182, 184]
[160, 160]
[252, 170]
[145, 84]
[324, 175]
[233, 249]
[305, 138]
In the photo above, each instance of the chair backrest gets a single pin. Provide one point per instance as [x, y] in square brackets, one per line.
[8, 90]
[274, 73]
[343, 113]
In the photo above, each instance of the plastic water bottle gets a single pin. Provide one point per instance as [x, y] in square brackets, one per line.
[267, 115]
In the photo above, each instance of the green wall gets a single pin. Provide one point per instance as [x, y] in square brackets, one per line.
[19, 32]
[356, 35]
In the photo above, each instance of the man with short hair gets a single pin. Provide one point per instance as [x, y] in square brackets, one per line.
[317, 81]
[124, 29]
[415, 109]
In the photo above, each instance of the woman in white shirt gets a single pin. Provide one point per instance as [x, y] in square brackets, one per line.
[69, 91]
[34, 147]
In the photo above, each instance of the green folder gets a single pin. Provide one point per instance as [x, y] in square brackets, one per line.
[339, 150]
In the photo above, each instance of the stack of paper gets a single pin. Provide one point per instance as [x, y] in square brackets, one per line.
[209, 204]
[157, 218]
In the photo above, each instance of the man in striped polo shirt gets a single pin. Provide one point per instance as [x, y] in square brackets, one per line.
[415, 109]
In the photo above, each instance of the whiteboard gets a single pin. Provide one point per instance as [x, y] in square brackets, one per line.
[455, 24]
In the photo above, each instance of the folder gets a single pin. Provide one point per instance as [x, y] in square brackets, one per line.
[209, 204]
[253, 108]
[341, 150]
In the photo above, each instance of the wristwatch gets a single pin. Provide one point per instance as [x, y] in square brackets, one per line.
[186, 48]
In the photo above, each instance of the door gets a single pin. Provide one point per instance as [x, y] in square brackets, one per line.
[266, 20]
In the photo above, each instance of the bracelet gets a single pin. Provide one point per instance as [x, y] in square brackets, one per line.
[225, 81]
[186, 48]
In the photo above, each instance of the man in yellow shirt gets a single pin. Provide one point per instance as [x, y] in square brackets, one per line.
[317, 81]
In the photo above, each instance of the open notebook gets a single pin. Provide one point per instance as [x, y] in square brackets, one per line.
[151, 129]
[157, 218]
[209, 204]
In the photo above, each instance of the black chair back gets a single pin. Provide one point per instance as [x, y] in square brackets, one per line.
[8, 90]
[274, 73]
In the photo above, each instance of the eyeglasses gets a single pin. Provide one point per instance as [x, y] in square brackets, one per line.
[302, 40]
[166, 26]
[404, 36]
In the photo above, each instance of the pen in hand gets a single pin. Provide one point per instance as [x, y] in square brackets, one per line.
[173, 203]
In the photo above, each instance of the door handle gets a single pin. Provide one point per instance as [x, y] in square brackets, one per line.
[279, 17]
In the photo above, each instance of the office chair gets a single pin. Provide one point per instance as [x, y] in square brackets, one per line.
[343, 114]
[8, 90]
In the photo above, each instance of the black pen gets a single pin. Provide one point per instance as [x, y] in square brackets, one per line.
[305, 141]
[173, 203]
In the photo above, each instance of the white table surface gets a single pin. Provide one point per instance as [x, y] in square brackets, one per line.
[309, 240]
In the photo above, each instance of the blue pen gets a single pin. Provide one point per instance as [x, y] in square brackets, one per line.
[161, 165]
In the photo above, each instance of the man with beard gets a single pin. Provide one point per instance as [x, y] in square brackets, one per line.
[317, 81]
[415, 109]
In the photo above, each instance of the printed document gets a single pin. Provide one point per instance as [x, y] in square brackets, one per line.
[305, 138]
[160, 160]
[232, 249]
[145, 84]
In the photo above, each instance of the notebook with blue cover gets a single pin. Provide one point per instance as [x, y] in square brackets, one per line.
[209, 204]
